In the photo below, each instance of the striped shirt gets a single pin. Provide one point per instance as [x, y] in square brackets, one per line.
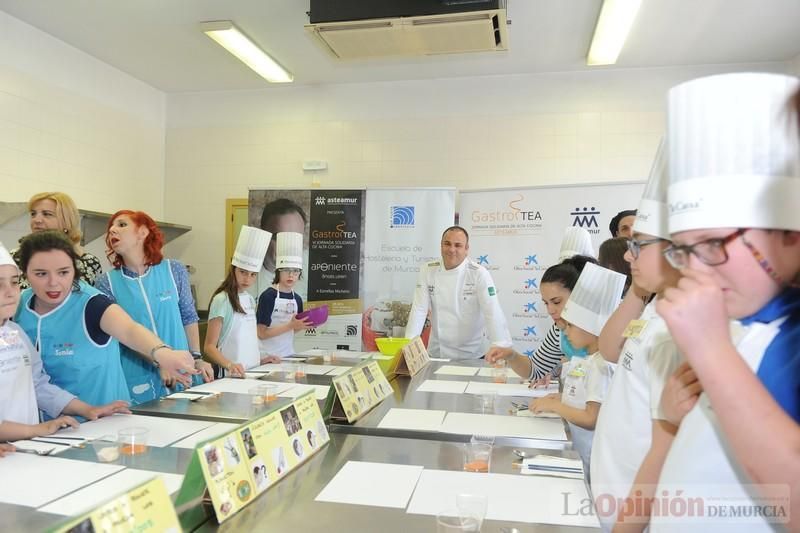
[547, 356]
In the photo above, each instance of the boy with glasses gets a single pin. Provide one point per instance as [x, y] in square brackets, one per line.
[735, 181]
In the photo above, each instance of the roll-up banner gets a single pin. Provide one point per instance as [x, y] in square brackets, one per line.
[403, 232]
[516, 234]
[362, 254]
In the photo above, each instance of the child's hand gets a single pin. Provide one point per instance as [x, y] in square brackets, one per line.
[109, 409]
[542, 383]
[549, 403]
[680, 394]
[51, 426]
[696, 315]
[205, 369]
[235, 370]
[267, 359]
[297, 324]
[5, 449]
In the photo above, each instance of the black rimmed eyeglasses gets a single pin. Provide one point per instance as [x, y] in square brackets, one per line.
[711, 252]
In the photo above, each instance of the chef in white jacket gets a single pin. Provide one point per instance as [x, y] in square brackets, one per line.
[462, 298]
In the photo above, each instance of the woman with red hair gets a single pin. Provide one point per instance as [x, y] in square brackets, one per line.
[155, 292]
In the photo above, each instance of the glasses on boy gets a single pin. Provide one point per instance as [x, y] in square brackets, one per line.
[635, 246]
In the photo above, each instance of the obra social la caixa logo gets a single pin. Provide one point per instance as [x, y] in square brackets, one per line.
[586, 218]
[529, 334]
[530, 262]
[529, 310]
[527, 286]
[484, 261]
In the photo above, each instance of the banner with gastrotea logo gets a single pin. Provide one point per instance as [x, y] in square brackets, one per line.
[516, 235]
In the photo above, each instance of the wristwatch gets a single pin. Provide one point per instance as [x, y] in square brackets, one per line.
[196, 355]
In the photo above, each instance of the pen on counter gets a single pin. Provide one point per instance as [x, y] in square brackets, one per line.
[37, 439]
[59, 437]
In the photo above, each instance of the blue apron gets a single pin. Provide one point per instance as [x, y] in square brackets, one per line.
[90, 371]
[151, 300]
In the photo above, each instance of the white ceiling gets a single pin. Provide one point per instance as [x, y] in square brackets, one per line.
[158, 41]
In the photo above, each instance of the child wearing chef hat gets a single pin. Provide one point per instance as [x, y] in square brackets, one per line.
[735, 183]
[232, 338]
[279, 305]
[595, 296]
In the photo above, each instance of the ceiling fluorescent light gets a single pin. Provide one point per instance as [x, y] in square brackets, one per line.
[237, 43]
[613, 25]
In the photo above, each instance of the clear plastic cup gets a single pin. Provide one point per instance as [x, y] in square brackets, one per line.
[477, 457]
[106, 448]
[487, 400]
[499, 374]
[299, 371]
[451, 521]
[132, 441]
[472, 506]
[258, 394]
[289, 372]
[270, 392]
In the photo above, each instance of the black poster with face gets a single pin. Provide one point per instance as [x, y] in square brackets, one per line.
[335, 248]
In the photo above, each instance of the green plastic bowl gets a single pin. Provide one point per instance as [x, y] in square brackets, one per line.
[391, 345]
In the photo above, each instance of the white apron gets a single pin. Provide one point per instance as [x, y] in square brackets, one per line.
[283, 312]
[700, 464]
[17, 395]
[240, 345]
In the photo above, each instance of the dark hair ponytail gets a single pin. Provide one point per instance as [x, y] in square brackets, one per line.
[229, 287]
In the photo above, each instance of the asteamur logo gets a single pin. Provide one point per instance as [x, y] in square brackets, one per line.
[586, 218]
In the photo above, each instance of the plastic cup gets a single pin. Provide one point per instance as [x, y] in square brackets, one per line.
[299, 371]
[290, 372]
[132, 441]
[451, 521]
[472, 506]
[258, 394]
[271, 392]
[477, 457]
[106, 448]
[499, 374]
[487, 401]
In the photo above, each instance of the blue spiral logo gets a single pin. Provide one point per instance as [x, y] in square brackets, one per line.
[402, 216]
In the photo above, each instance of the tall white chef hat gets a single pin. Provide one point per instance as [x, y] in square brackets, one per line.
[733, 153]
[652, 215]
[595, 297]
[289, 253]
[576, 241]
[251, 248]
[5, 257]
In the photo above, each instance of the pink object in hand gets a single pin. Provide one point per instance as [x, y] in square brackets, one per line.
[317, 316]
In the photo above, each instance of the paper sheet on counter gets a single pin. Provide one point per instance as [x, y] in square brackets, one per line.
[311, 370]
[38, 480]
[504, 426]
[440, 359]
[488, 372]
[237, 385]
[440, 385]
[413, 419]
[453, 370]
[89, 497]
[205, 434]
[320, 391]
[375, 484]
[508, 389]
[509, 496]
[162, 431]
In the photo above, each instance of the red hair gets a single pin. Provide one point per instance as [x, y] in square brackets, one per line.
[152, 243]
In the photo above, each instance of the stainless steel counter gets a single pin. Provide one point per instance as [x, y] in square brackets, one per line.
[290, 505]
[225, 407]
[406, 396]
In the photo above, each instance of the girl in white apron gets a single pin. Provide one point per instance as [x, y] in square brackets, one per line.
[585, 378]
[231, 339]
[279, 305]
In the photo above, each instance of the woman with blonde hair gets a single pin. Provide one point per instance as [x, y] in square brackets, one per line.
[57, 211]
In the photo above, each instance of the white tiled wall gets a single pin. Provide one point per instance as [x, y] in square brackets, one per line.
[468, 133]
[72, 123]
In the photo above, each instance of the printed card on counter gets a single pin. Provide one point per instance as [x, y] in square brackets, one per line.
[238, 466]
[356, 392]
[146, 508]
[411, 358]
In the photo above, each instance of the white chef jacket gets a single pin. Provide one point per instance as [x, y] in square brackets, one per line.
[464, 310]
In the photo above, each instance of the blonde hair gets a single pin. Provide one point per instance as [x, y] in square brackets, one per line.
[69, 219]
